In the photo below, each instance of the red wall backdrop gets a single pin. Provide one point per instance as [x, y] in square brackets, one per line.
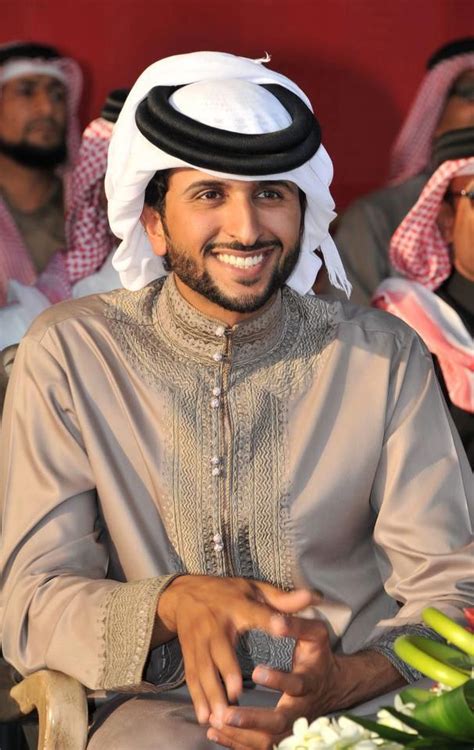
[360, 61]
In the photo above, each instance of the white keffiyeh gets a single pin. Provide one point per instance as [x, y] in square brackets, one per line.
[133, 160]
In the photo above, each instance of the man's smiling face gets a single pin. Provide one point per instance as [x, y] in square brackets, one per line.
[230, 243]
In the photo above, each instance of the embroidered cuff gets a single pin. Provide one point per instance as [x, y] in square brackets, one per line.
[384, 646]
[129, 621]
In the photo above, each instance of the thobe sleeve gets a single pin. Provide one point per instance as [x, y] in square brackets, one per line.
[423, 498]
[59, 610]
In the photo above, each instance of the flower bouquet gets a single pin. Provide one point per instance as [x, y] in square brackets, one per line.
[438, 719]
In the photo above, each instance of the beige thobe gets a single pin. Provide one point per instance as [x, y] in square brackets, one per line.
[307, 446]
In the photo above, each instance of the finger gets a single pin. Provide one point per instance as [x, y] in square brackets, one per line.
[211, 688]
[285, 682]
[220, 739]
[312, 653]
[299, 628]
[251, 718]
[254, 615]
[225, 660]
[287, 601]
[198, 697]
[202, 680]
[242, 739]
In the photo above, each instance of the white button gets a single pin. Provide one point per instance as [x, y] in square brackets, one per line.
[217, 356]
[216, 391]
[216, 471]
[215, 403]
[220, 330]
[215, 460]
[218, 547]
[217, 539]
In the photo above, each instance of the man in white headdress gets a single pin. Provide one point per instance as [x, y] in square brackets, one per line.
[39, 139]
[199, 462]
[86, 267]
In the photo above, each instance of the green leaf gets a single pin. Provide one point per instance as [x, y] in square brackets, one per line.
[469, 693]
[444, 722]
[416, 695]
[427, 743]
[424, 730]
[451, 712]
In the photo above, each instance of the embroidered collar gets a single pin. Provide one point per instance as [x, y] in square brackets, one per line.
[195, 334]
[171, 320]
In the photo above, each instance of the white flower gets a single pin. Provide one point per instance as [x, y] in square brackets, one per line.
[438, 688]
[333, 734]
[403, 708]
[386, 718]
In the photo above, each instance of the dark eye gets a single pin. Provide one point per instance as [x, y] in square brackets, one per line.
[269, 194]
[58, 94]
[25, 89]
[210, 195]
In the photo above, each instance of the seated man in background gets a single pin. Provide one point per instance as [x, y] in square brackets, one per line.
[89, 239]
[39, 137]
[433, 249]
[445, 101]
[184, 480]
[86, 267]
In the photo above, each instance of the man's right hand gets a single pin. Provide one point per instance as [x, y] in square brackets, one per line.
[208, 615]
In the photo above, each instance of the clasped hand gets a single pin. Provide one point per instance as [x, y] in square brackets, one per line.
[208, 615]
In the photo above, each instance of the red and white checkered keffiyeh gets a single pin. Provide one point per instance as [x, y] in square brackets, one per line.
[15, 260]
[420, 253]
[417, 249]
[412, 149]
[441, 329]
[88, 236]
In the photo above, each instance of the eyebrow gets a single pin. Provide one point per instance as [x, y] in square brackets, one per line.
[218, 184]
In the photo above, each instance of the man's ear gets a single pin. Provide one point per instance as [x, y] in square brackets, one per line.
[445, 221]
[153, 227]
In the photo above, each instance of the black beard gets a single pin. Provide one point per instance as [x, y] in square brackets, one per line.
[34, 157]
[185, 268]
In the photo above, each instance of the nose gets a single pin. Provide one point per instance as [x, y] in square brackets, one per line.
[44, 103]
[242, 221]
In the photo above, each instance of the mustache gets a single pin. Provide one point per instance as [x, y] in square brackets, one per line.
[258, 245]
[50, 121]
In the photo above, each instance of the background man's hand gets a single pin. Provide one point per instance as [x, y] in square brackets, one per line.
[207, 615]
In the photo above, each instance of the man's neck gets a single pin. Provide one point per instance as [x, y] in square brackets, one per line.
[26, 189]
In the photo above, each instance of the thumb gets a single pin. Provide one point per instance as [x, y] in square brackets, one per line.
[289, 602]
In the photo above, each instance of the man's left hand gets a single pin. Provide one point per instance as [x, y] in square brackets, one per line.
[320, 682]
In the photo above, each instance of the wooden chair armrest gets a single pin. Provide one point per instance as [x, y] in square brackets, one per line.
[61, 704]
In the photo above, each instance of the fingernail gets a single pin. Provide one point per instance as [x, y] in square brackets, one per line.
[261, 674]
[234, 719]
[234, 686]
[212, 736]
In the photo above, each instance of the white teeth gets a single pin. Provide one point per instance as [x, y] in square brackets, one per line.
[240, 262]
